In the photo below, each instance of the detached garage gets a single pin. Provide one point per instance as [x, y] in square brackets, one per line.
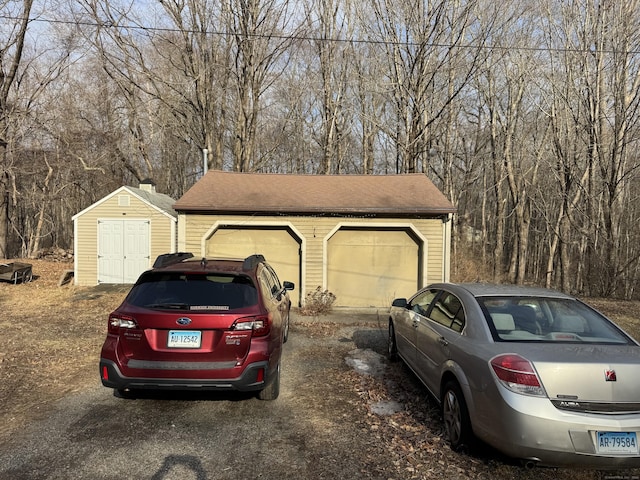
[119, 237]
[365, 238]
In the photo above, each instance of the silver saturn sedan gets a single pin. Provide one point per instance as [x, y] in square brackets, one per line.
[535, 373]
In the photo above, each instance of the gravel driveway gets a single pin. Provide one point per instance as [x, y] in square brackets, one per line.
[343, 413]
[312, 431]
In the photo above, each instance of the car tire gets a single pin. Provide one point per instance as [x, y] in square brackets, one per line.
[272, 389]
[455, 415]
[392, 346]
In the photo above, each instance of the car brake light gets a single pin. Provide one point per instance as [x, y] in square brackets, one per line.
[517, 374]
[119, 322]
[258, 325]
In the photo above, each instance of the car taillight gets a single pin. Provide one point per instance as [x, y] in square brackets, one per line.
[118, 322]
[259, 326]
[517, 374]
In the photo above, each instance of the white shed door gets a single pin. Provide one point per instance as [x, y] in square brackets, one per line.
[123, 250]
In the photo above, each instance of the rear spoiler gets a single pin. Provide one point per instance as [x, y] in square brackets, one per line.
[251, 261]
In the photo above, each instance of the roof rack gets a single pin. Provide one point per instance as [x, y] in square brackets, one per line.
[251, 261]
[171, 258]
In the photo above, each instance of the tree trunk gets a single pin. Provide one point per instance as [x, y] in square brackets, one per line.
[4, 211]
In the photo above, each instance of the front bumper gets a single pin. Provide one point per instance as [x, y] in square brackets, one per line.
[253, 378]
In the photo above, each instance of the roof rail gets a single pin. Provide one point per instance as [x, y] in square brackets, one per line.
[171, 258]
[251, 261]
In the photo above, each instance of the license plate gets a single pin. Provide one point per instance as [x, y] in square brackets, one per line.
[184, 339]
[617, 442]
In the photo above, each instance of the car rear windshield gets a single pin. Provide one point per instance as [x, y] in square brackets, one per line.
[189, 291]
[548, 320]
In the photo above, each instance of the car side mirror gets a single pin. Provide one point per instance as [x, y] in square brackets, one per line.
[288, 285]
[400, 303]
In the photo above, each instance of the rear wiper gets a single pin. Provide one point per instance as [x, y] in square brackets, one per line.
[171, 306]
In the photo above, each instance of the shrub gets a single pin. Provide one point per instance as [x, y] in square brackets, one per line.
[318, 302]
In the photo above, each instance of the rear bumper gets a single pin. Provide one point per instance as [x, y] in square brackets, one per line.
[532, 429]
[253, 378]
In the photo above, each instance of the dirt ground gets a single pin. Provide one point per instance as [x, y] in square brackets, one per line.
[50, 338]
[51, 335]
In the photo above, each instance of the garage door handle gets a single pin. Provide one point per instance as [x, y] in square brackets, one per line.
[443, 341]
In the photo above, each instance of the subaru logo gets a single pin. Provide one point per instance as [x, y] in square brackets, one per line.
[183, 321]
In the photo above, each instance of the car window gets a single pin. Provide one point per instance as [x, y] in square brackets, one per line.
[548, 320]
[448, 311]
[268, 284]
[202, 291]
[276, 280]
[274, 283]
[420, 303]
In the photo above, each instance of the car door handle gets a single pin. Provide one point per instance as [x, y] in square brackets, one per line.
[443, 341]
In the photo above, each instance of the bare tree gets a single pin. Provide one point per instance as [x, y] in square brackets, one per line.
[432, 51]
[198, 90]
[260, 29]
[594, 110]
[332, 27]
[28, 72]
[11, 50]
[370, 104]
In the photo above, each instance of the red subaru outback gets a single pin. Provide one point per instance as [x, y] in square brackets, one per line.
[206, 324]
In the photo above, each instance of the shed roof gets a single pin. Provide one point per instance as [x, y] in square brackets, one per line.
[159, 201]
[410, 194]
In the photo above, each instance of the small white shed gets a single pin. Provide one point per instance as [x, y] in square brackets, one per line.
[119, 236]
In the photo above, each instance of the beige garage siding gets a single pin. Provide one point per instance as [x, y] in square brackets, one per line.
[369, 268]
[277, 244]
[314, 234]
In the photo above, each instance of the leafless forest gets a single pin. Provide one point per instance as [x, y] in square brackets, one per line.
[524, 113]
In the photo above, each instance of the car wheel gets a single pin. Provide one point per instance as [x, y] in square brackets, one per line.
[285, 336]
[392, 346]
[272, 390]
[456, 417]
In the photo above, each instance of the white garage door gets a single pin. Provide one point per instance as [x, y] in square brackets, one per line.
[123, 250]
[369, 268]
[277, 244]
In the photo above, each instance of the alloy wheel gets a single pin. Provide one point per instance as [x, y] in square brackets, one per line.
[452, 415]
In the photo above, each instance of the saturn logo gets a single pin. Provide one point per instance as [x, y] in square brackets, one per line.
[610, 376]
[183, 321]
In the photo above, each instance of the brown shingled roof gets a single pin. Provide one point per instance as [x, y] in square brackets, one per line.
[219, 191]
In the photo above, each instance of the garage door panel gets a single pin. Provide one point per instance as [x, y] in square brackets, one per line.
[278, 246]
[369, 268]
